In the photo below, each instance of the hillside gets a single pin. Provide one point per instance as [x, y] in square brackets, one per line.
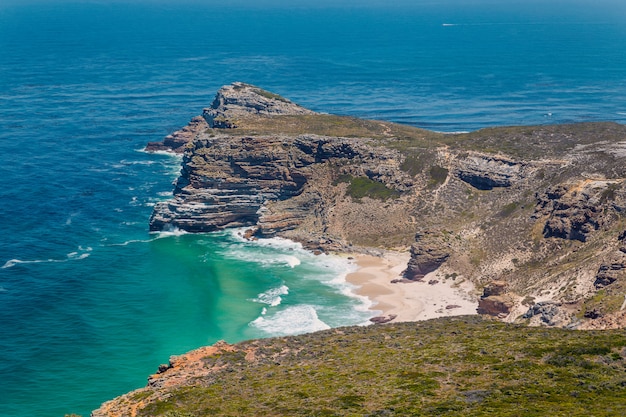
[447, 367]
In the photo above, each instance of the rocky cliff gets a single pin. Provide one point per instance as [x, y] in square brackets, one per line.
[538, 210]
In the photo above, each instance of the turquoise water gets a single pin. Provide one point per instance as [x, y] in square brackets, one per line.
[90, 302]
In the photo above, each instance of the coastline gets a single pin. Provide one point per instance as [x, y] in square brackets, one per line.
[408, 300]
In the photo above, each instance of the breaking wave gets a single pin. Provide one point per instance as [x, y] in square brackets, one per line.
[272, 297]
[293, 320]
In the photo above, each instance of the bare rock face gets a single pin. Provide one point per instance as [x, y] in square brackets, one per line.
[486, 172]
[240, 99]
[495, 305]
[575, 210]
[176, 141]
[610, 271]
[225, 181]
[495, 301]
[494, 288]
[428, 253]
[234, 181]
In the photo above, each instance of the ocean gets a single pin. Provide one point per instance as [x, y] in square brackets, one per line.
[91, 302]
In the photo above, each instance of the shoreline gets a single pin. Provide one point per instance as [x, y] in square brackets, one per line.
[430, 298]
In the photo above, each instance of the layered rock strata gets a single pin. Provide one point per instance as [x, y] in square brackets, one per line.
[239, 100]
[229, 181]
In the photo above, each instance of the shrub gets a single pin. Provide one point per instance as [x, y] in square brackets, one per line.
[364, 187]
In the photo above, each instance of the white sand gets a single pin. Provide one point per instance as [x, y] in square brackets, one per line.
[410, 301]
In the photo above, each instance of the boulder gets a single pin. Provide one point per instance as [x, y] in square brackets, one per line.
[428, 253]
[495, 301]
[546, 310]
[495, 305]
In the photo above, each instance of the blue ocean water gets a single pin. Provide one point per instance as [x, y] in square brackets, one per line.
[90, 302]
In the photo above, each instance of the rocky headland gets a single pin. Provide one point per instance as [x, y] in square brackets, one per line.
[537, 210]
[533, 217]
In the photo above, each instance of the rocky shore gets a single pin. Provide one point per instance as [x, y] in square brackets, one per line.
[539, 210]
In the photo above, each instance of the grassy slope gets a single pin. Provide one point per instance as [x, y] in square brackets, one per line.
[448, 367]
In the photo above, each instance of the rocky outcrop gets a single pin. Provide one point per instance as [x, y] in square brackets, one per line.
[176, 141]
[546, 311]
[225, 181]
[464, 204]
[574, 210]
[495, 301]
[428, 253]
[238, 100]
[235, 181]
[485, 172]
[231, 103]
[611, 271]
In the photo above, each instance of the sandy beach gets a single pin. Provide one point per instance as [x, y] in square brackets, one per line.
[409, 301]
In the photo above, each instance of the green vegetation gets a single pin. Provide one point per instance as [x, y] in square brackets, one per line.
[608, 300]
[364, 187]
[415, 162]
[438, 175]
[508, 209]
[445, 367]
[271, 96]
[390, 134]
[537, 141]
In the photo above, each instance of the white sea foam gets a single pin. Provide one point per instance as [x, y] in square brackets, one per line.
[293, 320]
[165, 153]
[148, 162]
[264, 259]
[328, 270]
[279, 243]
[12, 262]
[170, 231]
[194, 58]
[289, 260]
[79, 254]
[272, 297]
[128, 242]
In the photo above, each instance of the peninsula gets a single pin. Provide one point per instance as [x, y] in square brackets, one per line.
[532, 216]
[529, 221]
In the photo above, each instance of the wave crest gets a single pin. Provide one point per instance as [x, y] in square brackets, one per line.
[291, 321]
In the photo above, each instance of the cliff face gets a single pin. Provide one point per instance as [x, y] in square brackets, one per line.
[539, 209]
[273, 183]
